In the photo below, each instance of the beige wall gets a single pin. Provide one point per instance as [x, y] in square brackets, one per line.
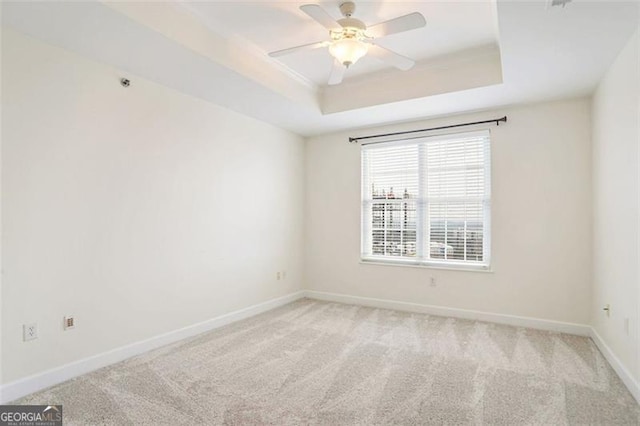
[616, 136]
[138, 210]
[541, 220]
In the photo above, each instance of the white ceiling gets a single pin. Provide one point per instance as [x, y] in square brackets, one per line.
[452, 26]
[543, 53]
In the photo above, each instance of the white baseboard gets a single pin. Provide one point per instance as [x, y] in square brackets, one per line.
[541, 324]
[616, 364]
[14, 390]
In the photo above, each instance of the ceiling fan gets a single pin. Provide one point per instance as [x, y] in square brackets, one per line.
[351, 39]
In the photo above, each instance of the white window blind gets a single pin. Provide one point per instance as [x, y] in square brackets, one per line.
[427, 201]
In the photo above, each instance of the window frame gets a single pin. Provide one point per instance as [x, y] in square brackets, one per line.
[422, 208]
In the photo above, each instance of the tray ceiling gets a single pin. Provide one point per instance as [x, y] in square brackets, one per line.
[452, 27]
[216, 51]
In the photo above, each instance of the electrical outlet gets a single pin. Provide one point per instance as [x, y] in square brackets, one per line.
[29, 331]
[432, 281]
[69, 322]
[278, 275]
[607, 309]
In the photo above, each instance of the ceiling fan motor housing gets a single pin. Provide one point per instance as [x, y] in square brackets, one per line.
[352, 23]
[351, 29]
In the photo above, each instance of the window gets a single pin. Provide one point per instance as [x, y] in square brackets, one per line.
[427, 201]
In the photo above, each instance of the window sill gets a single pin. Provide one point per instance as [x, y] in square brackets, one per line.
[458, 268]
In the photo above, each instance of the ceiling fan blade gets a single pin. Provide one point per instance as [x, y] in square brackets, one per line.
[320, 16]
[337, 73]
[302, 48]
[397, 25]
[390, 57]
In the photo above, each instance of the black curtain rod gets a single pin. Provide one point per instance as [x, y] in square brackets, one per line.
[495, 120]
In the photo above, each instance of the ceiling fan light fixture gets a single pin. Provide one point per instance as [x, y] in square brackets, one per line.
[351, 39]
[348, 50]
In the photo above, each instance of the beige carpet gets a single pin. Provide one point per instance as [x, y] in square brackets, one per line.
[313, 362]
